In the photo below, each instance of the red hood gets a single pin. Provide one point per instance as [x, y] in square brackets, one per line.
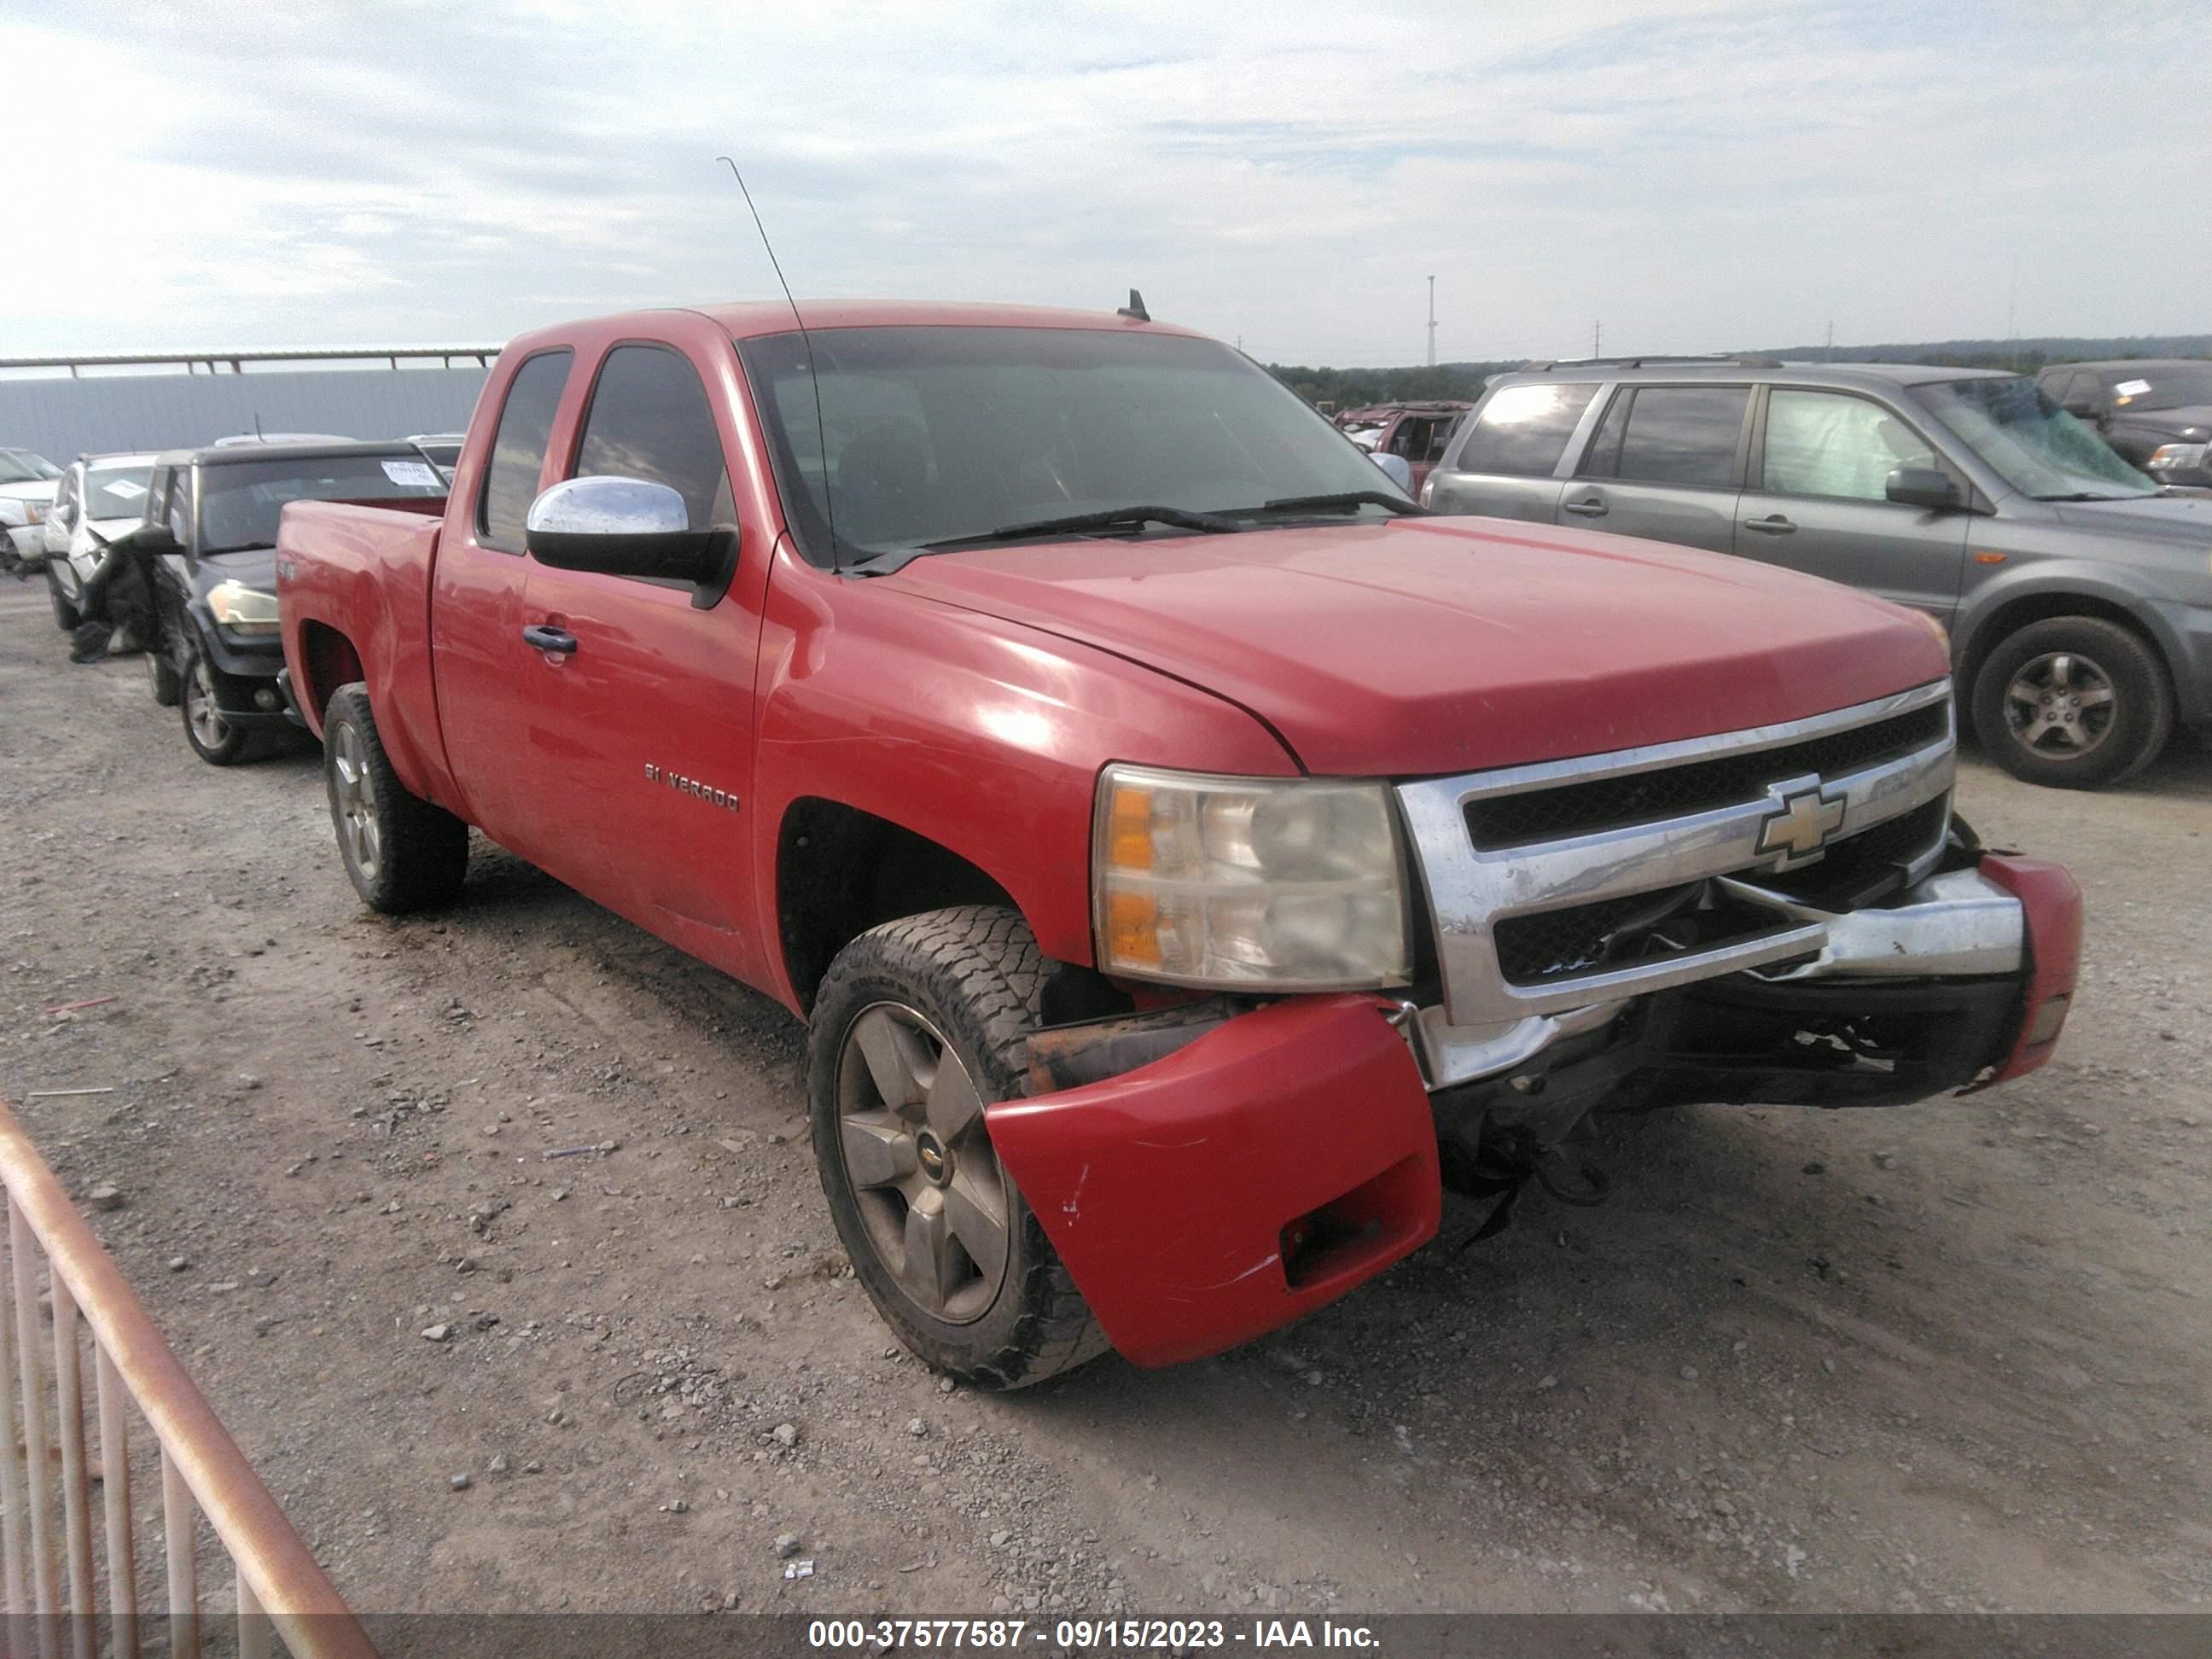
[1449, 645]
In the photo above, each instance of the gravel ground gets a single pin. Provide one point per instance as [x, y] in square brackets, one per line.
[1950, 1356]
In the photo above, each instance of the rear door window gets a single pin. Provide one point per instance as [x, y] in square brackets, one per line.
[1677, 434]
[1522, 431]
[518, 449]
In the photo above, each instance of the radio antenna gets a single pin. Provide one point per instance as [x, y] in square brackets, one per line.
[813, 374]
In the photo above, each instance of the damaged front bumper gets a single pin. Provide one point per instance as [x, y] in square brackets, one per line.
[1212, 1172]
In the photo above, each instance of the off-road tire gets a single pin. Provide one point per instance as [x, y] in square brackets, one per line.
[67, 617]
[974, 972]
[2143, 707]
[225, 745]
[420, 850]
[168, 686]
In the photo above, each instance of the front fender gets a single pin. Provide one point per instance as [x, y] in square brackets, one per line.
[1976, 628]
[1243, 1181]
[982, 736]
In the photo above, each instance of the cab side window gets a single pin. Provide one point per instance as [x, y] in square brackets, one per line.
[518, 449]
[649, 419]
[1828, 443]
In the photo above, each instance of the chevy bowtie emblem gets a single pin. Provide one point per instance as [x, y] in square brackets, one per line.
[1801, 822]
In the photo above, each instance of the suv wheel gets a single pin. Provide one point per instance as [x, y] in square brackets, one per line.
[918, 1022]
[213, 738]
[2073, 702]
[67, 617]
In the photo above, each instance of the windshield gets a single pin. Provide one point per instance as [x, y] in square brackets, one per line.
[2164, 385]
[937, 434]
[115, 492]
[22, 466]
[240, 502]
[2034, 446]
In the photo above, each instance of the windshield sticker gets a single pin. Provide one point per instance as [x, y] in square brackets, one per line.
[2132, 388]
[420, 474]
[128, 489]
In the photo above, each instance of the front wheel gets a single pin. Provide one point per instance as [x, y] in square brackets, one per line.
[2076, 702]
[167, 685]
[68, 616]
[214, 739]
[917, 1024]
[402, 853]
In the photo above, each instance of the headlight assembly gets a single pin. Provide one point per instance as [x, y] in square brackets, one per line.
[1249, 883]
[243, 610]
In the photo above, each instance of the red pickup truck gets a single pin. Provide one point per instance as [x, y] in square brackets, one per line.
[1190, 856]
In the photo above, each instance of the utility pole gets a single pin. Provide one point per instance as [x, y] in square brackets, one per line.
[1432, 322]
[1597, 339]
[1831, 352]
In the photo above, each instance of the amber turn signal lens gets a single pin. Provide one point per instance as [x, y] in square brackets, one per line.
[1132, 929]
[1129, 830]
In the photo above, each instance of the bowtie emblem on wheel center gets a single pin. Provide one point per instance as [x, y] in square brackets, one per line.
[1800, 825]
[935, 1157]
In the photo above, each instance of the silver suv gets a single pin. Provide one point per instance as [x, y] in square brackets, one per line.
[2077, 593]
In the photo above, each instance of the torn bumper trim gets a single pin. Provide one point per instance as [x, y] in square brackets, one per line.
[2052, 905]
[1250, 1177]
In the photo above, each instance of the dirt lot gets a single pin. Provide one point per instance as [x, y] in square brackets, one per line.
[1945, 1357]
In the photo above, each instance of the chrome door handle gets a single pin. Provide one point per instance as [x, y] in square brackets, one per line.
[1592, 508]
[1773, 524]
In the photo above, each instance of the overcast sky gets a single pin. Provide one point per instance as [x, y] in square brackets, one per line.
[1699, 176]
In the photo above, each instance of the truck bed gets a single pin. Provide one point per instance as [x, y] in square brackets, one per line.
[362, 571]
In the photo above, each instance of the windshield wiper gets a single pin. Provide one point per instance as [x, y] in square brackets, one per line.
[1113, 518]
[1346, 499]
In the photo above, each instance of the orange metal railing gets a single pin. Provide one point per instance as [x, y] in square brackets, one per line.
[51, 1568]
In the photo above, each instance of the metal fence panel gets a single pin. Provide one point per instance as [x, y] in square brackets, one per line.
[63, 418]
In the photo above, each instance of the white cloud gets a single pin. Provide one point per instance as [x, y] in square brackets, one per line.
[1703, 175]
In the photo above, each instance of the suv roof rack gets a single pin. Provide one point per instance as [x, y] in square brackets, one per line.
[1716, 359]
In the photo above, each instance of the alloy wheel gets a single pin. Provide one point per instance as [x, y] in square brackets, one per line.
[201, 708]
[357, 801]
[2060, 704]
[924, 1177]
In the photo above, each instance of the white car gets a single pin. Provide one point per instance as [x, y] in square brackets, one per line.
[26, 495]
[98, 495]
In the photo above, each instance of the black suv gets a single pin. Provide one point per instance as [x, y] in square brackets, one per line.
[210, 539]
[2078, 595]
[2155, 411]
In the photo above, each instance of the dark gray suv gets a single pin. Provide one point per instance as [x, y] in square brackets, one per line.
[2078, 596]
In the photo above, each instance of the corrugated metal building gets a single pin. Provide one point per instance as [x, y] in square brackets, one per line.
[62, 418]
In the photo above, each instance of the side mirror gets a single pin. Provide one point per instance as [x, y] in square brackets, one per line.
[152, 537]
[1400, 469]
[2085, 409]
[1923, 486]
[623, 527]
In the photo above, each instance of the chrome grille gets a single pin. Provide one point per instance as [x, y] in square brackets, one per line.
[1672, 791]
[1539, 926]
